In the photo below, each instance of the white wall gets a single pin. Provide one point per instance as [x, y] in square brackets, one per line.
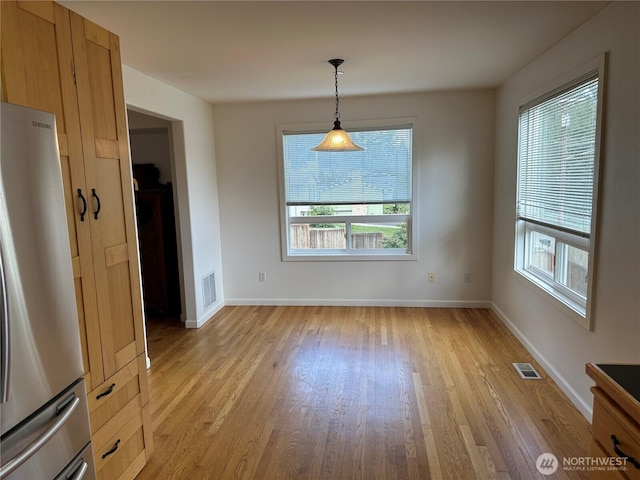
[563, 346]
[453, 142]
[195, 178]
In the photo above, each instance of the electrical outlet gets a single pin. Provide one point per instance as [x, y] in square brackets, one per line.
[262, 277]
[467, 277]
[432, 277]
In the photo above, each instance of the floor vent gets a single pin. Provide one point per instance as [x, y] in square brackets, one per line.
[209, 290]
[527, 371]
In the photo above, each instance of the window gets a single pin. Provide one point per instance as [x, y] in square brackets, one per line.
[348, 205]
[557, 186]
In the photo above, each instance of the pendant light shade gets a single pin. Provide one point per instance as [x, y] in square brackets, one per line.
[337, 140]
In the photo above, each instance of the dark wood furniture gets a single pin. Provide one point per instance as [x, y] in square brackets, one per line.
[158, 248]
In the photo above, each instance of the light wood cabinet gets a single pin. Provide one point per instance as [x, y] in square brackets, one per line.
[58, 61]
[616, 419]
[110, 193]
[37, 72]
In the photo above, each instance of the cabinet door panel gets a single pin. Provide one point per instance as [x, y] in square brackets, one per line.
[37, 67]
[71, 203]
[89, 381]
[99, 65]
[111, 229]
[108, 171]
[123, 332]
[43, 10]
[30, 54]
[130, 456]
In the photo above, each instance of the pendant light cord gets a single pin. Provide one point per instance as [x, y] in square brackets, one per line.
[336, 140]
[337, 114]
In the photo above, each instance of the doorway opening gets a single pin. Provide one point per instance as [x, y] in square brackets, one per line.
[157, 218]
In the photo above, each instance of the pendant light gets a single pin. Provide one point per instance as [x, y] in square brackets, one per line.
[337, 140]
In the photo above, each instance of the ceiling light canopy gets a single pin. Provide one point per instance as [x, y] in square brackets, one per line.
[337, 140]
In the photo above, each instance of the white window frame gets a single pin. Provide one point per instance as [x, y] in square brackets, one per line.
[349, 253]
[576, 306]
[552, 283]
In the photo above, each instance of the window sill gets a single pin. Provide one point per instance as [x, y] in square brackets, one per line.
[568, 306]
[347, 257]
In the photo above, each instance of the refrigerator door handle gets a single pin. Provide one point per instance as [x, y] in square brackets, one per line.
[4, 327]
[34, 446]
[80, 470]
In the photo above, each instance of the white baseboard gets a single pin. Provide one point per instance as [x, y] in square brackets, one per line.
[206, 316]
[580, 403]
[334, 302]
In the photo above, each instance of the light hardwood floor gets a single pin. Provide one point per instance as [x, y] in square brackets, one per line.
[343, 393]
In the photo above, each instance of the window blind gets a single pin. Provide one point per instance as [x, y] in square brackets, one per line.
[556, 149]
[379, 174]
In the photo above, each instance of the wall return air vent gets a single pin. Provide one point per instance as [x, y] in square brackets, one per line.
[209, 290]
[527, 371]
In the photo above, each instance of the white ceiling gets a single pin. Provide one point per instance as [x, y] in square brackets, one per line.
[264, 50]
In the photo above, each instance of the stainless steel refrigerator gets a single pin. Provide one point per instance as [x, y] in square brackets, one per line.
[43, 411]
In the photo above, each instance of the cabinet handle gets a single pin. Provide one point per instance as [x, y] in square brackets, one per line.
[84, 205]
[99, 206]
[113, 450]
[106, 392]
[621, 454]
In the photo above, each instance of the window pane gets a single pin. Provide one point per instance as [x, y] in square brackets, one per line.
[305, 236]
[556, 159]
[381, 173]
[364, 236]
[542, 252]
[349, 204]
[574, 268]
